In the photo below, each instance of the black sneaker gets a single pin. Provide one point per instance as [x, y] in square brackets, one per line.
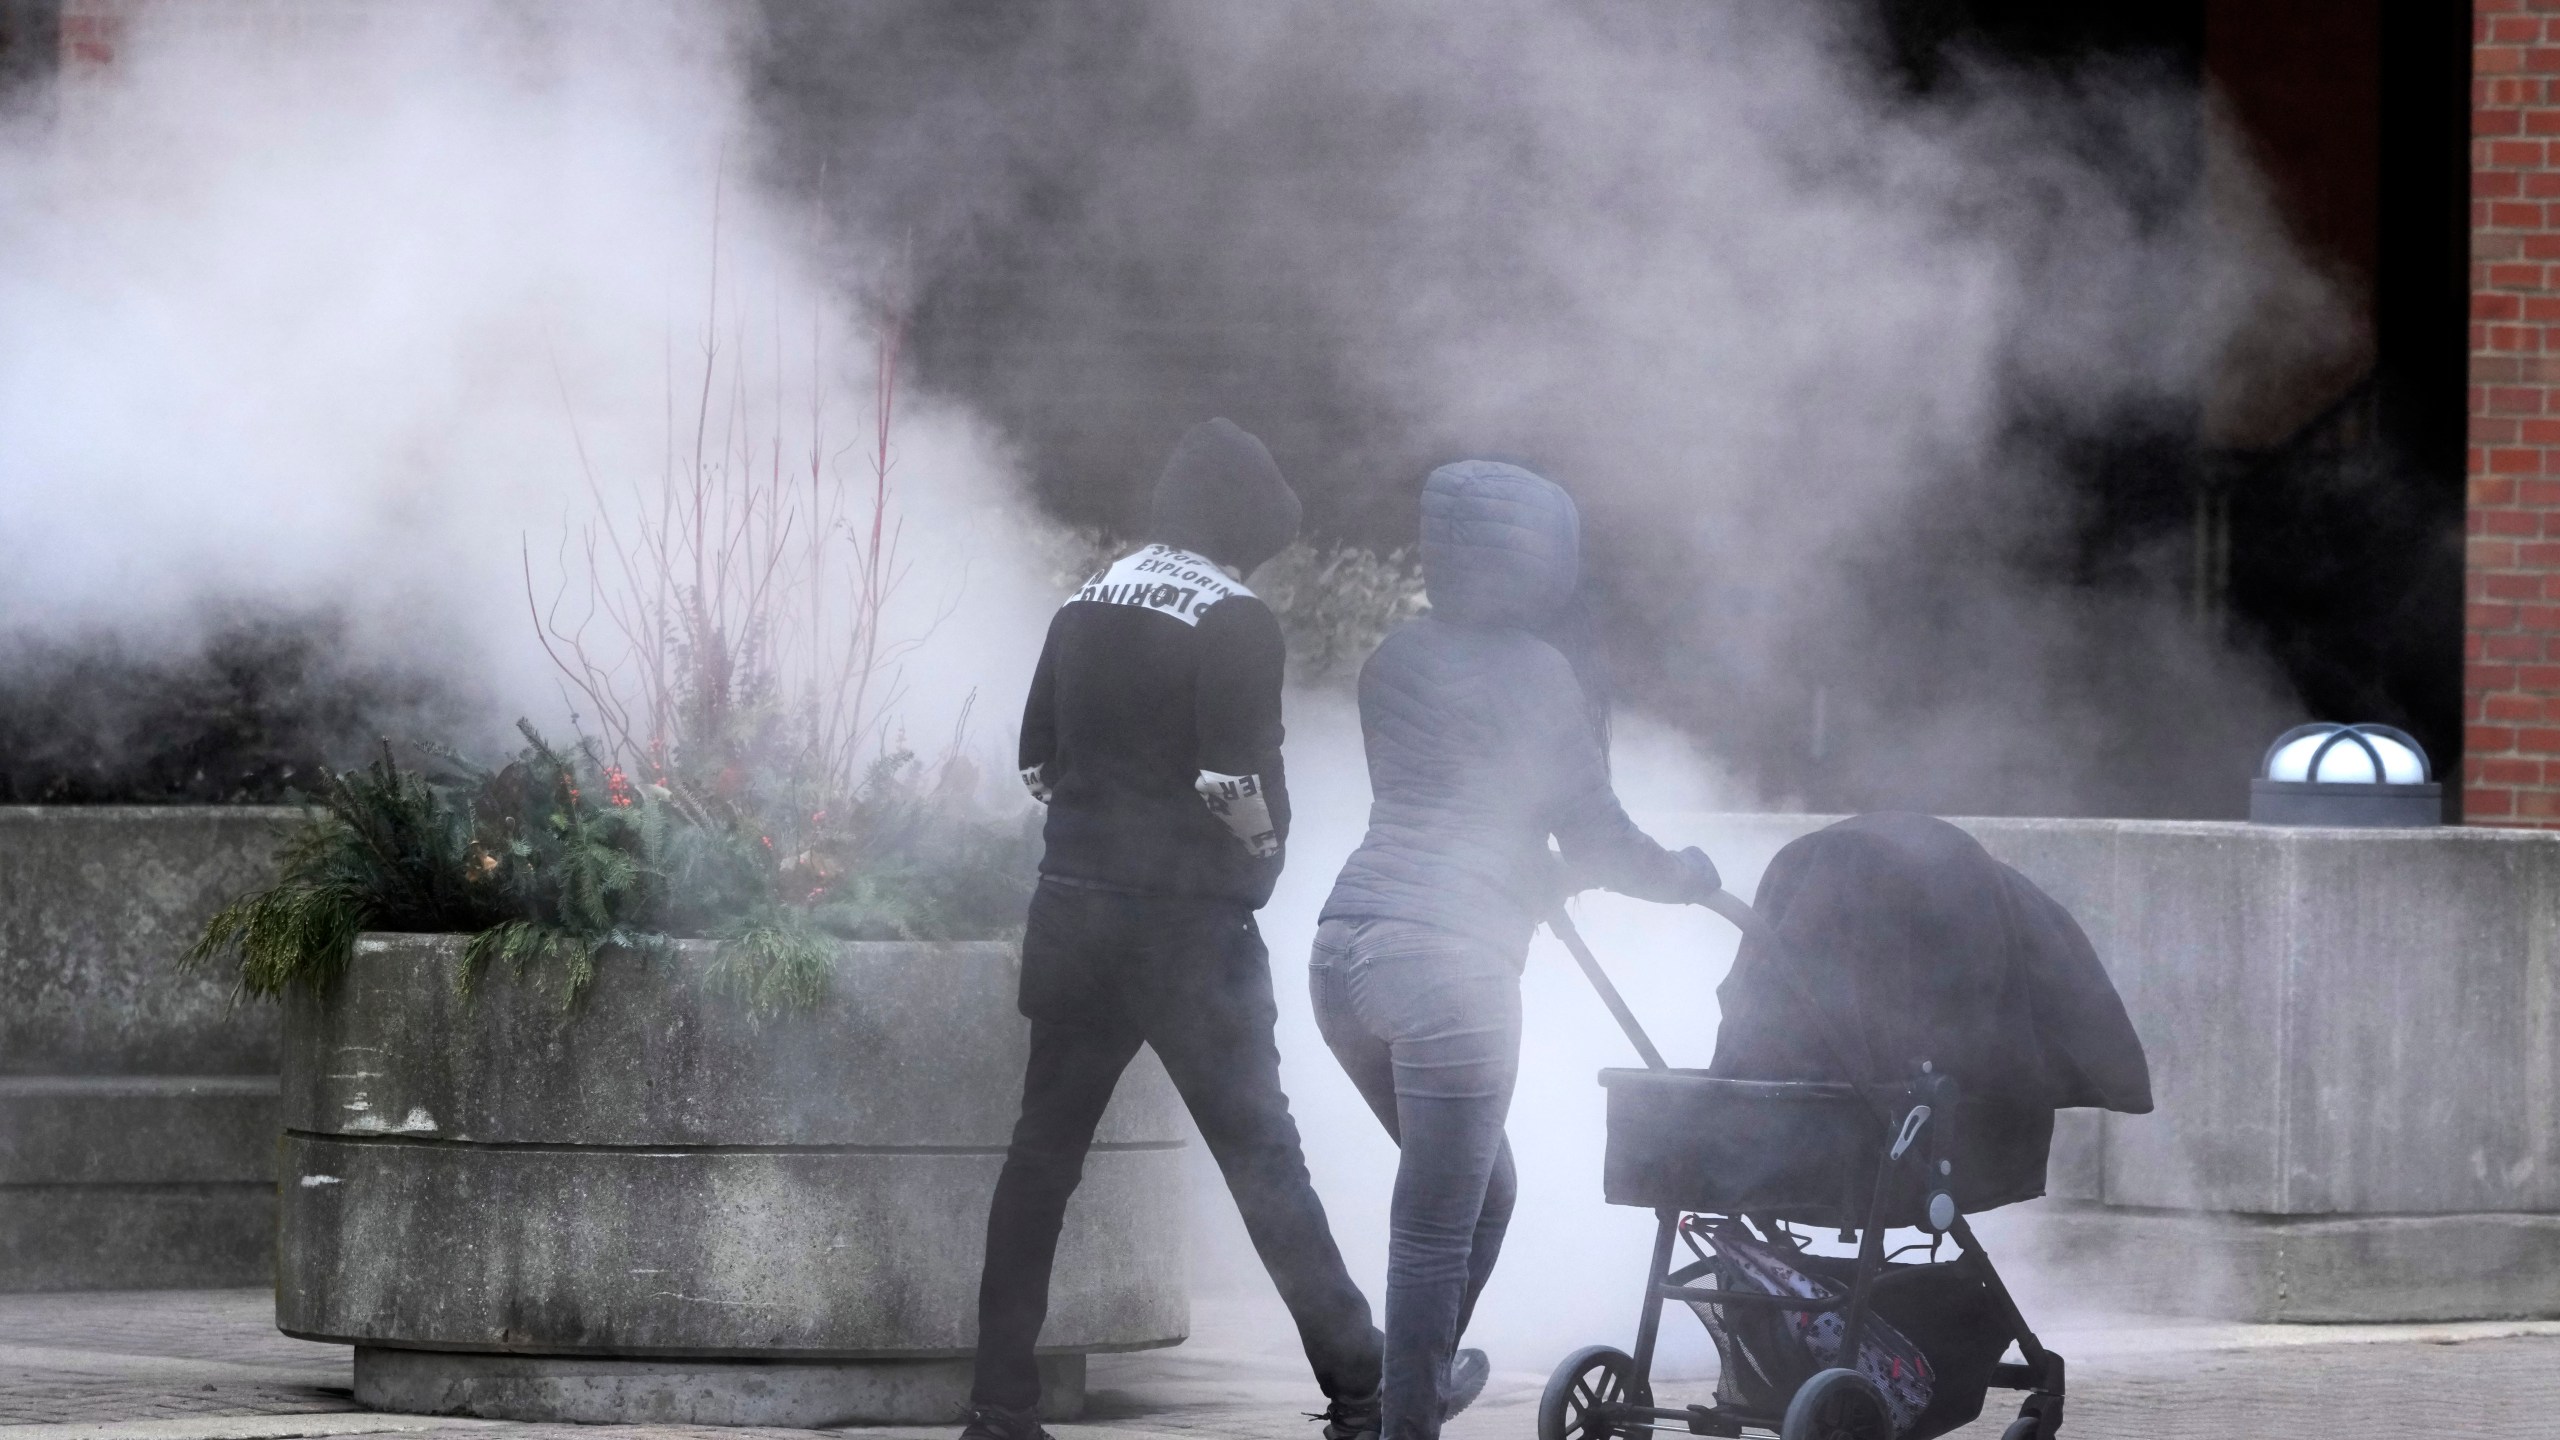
[999, 1422]
[1352, 1419]
[1468, 1370]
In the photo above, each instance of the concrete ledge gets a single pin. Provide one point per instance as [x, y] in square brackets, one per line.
[137, 1129]
[2294, 1268]
[2355, 1047]
[137, 1237]
[97, 903]
[2340, 1021]
[738, 1253]
[656, 1174]
[137, 1102]
[921, 1046]
[505, 1387]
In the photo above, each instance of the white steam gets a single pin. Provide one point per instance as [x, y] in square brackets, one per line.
[1782, 328]
[312, 305]
[1829, 364]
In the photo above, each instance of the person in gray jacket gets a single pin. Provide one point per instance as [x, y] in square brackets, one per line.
[1483, 742]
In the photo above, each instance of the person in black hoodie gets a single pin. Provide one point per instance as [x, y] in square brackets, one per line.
[1483, 742]
[1153, 736]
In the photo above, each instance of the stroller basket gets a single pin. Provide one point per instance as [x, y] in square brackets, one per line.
[1800, 1150]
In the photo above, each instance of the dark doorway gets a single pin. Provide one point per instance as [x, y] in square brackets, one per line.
[2335, 545]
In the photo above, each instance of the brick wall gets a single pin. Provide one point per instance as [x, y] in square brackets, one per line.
[2511, 680]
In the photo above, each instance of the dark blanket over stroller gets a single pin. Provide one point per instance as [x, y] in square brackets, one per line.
[1901, 940]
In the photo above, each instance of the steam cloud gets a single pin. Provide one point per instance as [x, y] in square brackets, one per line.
[1828, 363]
[304, 313]
[314, 304]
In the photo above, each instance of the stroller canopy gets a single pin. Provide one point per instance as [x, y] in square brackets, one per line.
[1908, 942]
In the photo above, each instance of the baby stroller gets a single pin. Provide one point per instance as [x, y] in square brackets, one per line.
[1904, 1017]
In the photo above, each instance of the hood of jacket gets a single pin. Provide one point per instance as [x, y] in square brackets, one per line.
[1501, 546]
[1221, 495]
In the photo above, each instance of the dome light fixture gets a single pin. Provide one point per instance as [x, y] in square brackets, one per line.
[2359, 775]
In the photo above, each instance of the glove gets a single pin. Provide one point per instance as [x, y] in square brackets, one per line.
[1698, 875]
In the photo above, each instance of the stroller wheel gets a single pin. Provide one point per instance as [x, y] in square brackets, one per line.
[1581, 1392]
[2025, 1427]
[1837, 1405]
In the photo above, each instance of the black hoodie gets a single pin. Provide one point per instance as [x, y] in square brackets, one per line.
[1153, 727]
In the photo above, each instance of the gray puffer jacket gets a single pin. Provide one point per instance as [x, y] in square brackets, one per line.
[1479, 744]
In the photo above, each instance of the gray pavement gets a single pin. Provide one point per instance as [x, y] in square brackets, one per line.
[208, 1365]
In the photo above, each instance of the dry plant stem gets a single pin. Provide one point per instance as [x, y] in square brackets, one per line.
[874, 577]
[693, 613]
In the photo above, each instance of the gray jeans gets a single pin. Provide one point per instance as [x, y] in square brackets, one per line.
[1427, 1024]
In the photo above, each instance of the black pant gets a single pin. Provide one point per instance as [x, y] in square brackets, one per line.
[1102, 973]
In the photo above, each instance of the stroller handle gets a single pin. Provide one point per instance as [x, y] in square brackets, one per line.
[1723, 902]
[1734, 908]
[1609, 996]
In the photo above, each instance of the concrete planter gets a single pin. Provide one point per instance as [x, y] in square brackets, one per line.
[137, 1104]
[651, 1208]
[2355, 1048]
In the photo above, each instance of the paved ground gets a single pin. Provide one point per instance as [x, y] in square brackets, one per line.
[207, 1365]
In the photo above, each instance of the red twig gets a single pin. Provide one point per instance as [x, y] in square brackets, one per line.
[739, 602]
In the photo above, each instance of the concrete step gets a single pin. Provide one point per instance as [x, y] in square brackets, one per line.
[137, 1129]
[112, 1182]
